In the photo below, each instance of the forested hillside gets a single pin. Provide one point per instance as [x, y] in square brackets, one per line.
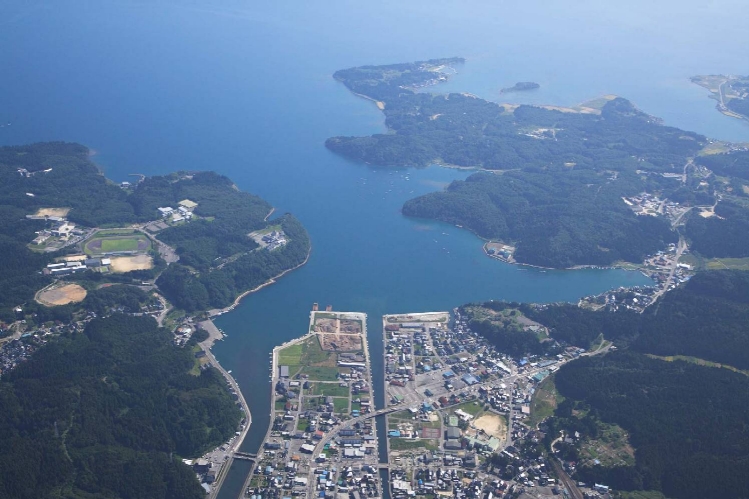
[218, 287]
[109, 413]
[725, 235]
[71, 181]
[687, 423]
[568, 218]
[217, 261]
[559, 198]
[497, 322]
[467, 131]
[707, 319]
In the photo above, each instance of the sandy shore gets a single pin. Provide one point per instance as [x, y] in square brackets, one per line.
[379, 103]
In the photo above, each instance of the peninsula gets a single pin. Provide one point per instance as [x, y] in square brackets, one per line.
[557, 180]
[126, 274]
[731, 93]
[521, 86]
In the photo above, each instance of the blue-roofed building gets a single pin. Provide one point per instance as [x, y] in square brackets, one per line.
[522, 362]
[394, 433]
[470, 379]
[448, 374]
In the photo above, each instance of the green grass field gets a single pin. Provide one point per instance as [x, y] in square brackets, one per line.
[544, 401]
[104, 242]
[320, 373]
[108, 245]
[408, 444]
[329, 389]
[302, 357]
[340, 405]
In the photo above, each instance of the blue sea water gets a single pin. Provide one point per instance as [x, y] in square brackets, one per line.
[245, 88]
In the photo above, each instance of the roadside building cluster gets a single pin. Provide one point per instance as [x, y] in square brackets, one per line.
[463, 403]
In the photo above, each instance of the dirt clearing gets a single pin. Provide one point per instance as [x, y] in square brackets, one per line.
[335, 325]
[61, 295]
[340, 342]
[52, 212]
[127, 263]
[492, 424]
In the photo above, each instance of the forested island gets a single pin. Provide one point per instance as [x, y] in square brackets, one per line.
[521, 86]
[677, 387]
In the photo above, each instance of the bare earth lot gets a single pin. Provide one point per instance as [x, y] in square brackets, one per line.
[52, 212]
[340, 342]
[128, 263]
[492, 424]
[62, 295]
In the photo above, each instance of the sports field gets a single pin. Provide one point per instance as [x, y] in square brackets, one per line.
[108, 245]
[102, 244]
[61, 295]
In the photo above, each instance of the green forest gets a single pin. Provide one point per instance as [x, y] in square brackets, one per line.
[501, 330]
[735, 164]
[570, 218]
[558, 198]
[217, 287]
[464, 130]
[110, 412]
[725, 235]
[687, 423]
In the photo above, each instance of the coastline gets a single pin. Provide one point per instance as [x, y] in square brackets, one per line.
[206, 347]
[272, 280]
[574, 267]
[380, 105]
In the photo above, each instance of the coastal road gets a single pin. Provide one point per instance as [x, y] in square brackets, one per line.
[233, 447]
[720, 94]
